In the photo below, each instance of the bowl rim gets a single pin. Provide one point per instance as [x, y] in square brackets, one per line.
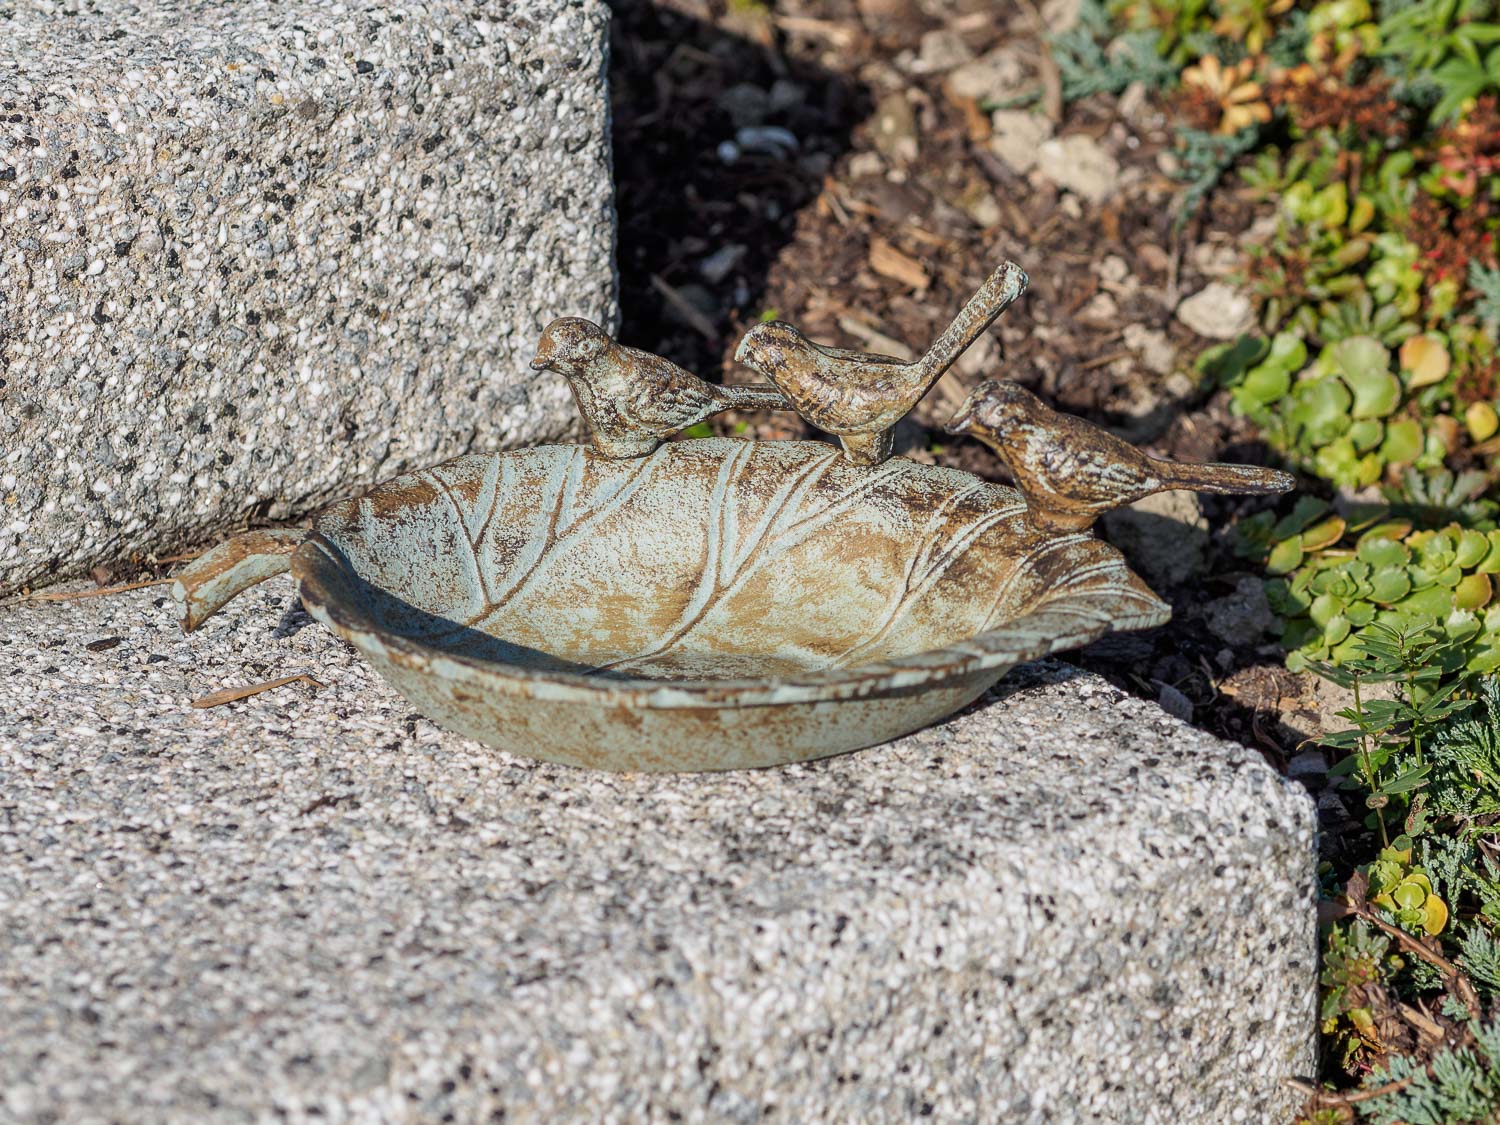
[319, 568]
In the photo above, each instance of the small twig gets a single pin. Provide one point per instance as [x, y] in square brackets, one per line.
[1451, 972]
[1334, 1097]
[695, 319]
[230, 695]
[1106, 360]
[75, 595]
[1420, 1019]
[1052, 99]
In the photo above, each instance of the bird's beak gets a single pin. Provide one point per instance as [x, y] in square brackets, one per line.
[960, 423]
[543, 358]
[741, 353]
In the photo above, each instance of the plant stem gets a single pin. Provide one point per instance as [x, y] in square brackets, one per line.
[1364, 762]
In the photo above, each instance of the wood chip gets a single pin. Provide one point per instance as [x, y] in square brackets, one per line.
[874, 340]
[230, 695]
[889, 262]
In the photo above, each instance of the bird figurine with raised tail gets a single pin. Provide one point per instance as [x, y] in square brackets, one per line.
[632, 400]
[1071, 472]
[859, 397]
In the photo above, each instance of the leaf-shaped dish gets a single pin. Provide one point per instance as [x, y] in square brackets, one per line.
[720, 604]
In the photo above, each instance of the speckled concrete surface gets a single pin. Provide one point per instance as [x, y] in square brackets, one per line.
[1061, 906]
[255, 254]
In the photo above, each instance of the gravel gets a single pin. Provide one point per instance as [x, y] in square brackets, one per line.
[1063, 905]
[254, 255]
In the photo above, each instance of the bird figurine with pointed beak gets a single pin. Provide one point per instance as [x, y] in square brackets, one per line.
[1071, 472]
[859, 397]
[631, 400]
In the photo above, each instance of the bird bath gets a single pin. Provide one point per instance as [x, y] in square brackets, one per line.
[715, 603]
[720, 604]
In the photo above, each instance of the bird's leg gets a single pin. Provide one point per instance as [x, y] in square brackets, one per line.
[1049, 519]
[621, 449]
[868, 449]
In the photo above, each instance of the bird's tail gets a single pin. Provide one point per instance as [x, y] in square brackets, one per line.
[750, 397]
[997, 294]
[1241, 479]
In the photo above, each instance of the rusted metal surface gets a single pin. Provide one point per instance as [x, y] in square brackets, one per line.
[720, 604]
[859, 397]
[212, 579]
[630, 400]
[1072, 472]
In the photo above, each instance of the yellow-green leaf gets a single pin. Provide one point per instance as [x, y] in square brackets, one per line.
[1425, 360]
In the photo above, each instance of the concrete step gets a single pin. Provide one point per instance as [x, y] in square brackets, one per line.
[254, 255]
[1061, 906]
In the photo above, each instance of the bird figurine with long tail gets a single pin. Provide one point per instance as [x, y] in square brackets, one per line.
[631, 400]
[859, 397]
[1071, 472]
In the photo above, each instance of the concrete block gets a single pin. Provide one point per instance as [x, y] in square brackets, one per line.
[1062, 905]
[254, 256]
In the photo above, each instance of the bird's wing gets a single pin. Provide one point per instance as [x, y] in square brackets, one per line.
[858, 357]
[668, 396]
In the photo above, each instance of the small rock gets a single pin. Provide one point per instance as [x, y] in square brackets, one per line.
[1016, 135]
[786, 94]
[981, 206]
[717, 266]
[865, 164]
[1153, 257]
[1079, 164]
[1164, 537]
[1217, 311]
[997, 76]
[1113, 270]
[746, 104]
[941, 51]
[1214, 259]
[1099, 309]
[1308, 765]
[1167, 163]
[1242, 617]
[895, 129]
[1174, 703]
[770, 140]
[1132, 104]
[1060, 15]
[1261, 231]
[1153, 346]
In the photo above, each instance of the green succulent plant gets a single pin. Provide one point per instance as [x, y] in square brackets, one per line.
[1334, 578]
[1341, 416]
[1405, 892]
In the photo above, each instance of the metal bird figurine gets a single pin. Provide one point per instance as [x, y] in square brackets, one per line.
[1072, 472]
[630, 400]
[859, 397]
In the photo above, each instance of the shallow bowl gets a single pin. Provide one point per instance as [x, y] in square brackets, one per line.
[720, 604]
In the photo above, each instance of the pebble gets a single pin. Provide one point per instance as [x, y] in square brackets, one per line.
[1243, 617]
[1164, 537]
[1016, 135]
[1080, 165]
[998, 76]
[1217, 311]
